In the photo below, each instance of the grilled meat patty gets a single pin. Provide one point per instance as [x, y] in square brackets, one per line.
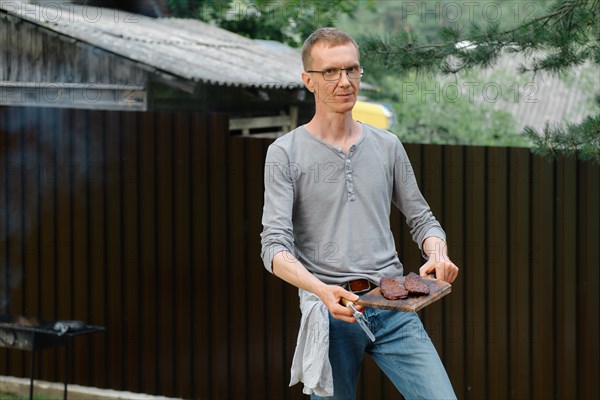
[391, 289]
[415, 284]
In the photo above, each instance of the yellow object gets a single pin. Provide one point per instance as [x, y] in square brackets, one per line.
[374, 114]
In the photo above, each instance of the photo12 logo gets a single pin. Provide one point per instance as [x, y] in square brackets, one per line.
[60, 93]
[469, 11]
[57, 12]
[452, 92]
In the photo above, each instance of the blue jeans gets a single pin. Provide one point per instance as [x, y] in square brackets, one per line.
[402, 349]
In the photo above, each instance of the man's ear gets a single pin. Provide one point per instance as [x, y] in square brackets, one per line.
[308, 81]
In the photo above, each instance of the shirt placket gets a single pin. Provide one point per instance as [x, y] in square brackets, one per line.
[349, 172]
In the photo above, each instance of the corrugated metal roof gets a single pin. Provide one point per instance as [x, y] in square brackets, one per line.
[533, 99]
[187, 48]
[544, 98]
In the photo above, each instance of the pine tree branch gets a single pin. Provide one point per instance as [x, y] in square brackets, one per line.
[403, 55]
[581, 140]
[566, 35]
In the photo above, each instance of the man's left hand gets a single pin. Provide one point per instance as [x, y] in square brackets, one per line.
[438, 261]
[442, 266]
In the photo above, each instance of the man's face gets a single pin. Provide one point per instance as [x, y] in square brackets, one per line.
[337, 96]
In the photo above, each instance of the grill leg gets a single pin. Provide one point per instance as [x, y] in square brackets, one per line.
[32, 367]
[67, 361]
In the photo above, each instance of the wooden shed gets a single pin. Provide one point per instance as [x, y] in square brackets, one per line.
[59, 54]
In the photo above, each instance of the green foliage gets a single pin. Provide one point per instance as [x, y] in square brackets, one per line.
[563, 35]
[582, 140]
[568, 31]
[286, 21]
[426, 18]
[433, 111]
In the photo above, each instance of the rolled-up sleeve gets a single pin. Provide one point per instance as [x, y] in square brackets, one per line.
[277, 234]
[409, 200]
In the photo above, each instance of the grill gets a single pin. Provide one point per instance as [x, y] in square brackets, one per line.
[33, 334]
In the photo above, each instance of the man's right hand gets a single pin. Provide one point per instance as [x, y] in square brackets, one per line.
[332, 295]
[288, 268]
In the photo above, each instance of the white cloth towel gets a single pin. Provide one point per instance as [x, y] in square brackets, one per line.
[311, 364]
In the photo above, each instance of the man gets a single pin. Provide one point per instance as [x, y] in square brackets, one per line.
[329, 186]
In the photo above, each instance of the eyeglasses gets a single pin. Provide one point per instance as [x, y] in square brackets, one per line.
[333, 74]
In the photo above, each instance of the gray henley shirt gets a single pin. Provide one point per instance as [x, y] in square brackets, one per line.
[331, 210]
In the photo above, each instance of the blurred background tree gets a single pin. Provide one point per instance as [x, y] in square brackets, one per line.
[452, 38]
[286, 21]
[424, 57]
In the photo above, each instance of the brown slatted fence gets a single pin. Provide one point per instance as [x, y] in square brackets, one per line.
[149, 223]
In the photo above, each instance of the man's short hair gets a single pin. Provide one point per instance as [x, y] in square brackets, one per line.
[332, 36]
